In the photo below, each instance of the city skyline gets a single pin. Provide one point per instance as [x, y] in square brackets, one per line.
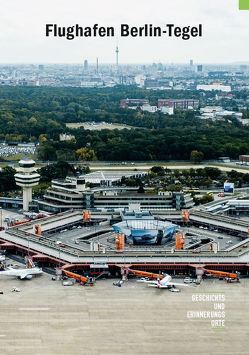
[23, 40]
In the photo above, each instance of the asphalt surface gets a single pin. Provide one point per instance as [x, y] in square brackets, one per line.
[48, 318]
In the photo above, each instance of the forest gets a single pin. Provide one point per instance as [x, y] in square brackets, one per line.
[40, 114]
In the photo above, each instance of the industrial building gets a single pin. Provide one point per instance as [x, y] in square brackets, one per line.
[133, 102]
[180, 104]
[244, 159]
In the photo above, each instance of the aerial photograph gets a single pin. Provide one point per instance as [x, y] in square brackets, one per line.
[124, 177]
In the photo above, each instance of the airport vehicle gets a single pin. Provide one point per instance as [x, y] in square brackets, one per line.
[143, 274]
[229, 276]
[118, 283]
[22, 274]
[69, 282]
[164, 283]
[77, 277]
[15, 289]
[143, 279]
[60, 244]
[173, 289]
[188, 280]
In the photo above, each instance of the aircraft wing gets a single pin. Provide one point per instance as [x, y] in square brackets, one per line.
[148, 282]
[23, 275]
[158, 286]
[176, 284]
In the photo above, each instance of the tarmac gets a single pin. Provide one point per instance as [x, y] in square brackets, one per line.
[47, 318]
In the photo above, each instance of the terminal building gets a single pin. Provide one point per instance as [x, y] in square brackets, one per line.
[142, 228]
[72, 193]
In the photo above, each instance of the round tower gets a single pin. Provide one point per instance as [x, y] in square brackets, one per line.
[27, 177]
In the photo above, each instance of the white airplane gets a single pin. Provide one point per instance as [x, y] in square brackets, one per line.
[164, 283]
[22, 273]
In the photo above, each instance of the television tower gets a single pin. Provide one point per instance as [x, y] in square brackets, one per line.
[27, 177]
[117, 52]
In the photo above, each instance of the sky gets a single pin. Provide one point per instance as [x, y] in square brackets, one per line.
[23, 40]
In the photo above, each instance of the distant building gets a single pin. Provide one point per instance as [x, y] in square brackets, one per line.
[149, 108]
[133, 102]
[85, 65]
[213, 87]
[217, 112]
[181, 104]
[244, 159]
[224, 159]
[199, 68]
[167, 110]
[66, 137]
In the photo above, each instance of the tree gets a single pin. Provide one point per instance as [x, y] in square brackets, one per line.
[196, 156]
[60, 170]
[159, 170]
[7, 179]
[86, 154]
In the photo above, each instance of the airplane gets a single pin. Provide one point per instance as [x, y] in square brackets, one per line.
[22, 273]
[164, 283]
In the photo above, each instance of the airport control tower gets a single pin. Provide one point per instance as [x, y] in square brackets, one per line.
[27, 177]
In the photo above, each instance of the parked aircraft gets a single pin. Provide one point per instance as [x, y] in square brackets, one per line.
[22, 273]
[163, 283]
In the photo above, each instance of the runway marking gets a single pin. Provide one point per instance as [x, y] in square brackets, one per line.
[33, 309]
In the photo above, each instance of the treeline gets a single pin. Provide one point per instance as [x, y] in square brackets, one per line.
[33, 113]
[176, 142]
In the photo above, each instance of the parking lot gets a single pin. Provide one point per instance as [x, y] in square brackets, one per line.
[10, 150]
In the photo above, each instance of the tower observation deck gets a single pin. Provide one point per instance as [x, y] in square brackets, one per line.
[27, 177]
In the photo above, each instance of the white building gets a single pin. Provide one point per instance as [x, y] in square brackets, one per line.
[213, 87]
[149, 108]
[167, 110]
[66, 137]
[217, 113]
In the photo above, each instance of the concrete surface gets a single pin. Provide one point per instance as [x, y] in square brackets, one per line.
[49, 319]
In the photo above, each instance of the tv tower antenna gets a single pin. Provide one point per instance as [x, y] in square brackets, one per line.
[117, 53]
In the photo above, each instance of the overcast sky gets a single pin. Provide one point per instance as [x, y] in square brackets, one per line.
[22, 31]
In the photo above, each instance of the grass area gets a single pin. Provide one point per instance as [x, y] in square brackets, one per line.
[98, 126]
[17, 157]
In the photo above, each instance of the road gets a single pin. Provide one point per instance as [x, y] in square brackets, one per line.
[145, 166]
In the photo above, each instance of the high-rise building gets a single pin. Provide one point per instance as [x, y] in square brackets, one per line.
[199, 68]
[191, 62]
[27, 177]
[85, 65]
